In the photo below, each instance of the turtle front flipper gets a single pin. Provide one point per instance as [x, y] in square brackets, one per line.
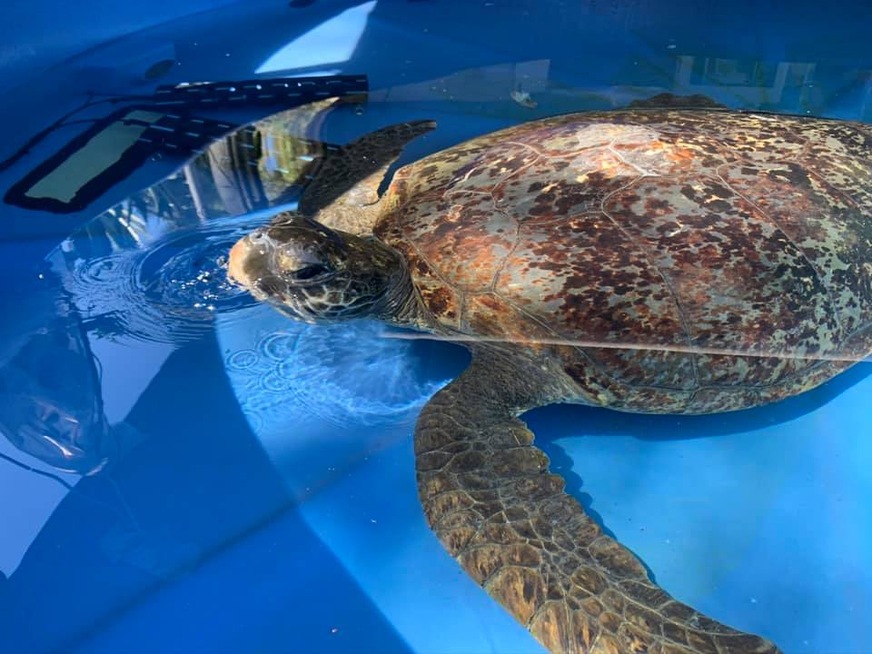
[488, 494]
[343, 190]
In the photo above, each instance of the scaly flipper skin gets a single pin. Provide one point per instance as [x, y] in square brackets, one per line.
[489, 497]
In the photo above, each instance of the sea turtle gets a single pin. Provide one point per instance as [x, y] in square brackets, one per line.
[660, 260]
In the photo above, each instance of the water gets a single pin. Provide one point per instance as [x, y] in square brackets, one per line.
[216, 477]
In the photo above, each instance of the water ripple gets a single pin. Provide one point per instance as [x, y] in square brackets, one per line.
[168, 292]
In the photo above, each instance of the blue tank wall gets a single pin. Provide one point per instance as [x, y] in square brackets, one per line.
[31, 41]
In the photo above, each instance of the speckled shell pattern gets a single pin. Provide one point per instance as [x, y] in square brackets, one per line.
[676, 261]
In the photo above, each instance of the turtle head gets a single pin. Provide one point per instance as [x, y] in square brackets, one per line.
[316, 274]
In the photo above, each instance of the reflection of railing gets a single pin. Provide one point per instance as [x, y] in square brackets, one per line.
[815, 88]
[267, 92]
[866, 102]
[751, 82]
[488, 84]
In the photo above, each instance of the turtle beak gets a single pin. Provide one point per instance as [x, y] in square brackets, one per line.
[236, 260]
[250, 259]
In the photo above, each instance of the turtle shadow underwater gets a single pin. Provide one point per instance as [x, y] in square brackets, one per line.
[563, 420]
[440, 359]
[558, 421]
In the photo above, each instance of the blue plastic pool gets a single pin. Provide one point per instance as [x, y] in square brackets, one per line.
[245, 483]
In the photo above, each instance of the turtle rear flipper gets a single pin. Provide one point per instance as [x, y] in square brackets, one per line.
[488, 495]
[343, 191]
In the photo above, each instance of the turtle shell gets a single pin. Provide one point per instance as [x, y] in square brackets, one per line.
[675, 260]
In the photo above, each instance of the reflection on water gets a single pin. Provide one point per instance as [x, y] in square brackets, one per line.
[800, 87]
[149, 269]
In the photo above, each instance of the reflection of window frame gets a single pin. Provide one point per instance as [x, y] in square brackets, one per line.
[58, 183]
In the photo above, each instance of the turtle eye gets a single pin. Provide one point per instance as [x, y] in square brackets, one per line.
[309, 272]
